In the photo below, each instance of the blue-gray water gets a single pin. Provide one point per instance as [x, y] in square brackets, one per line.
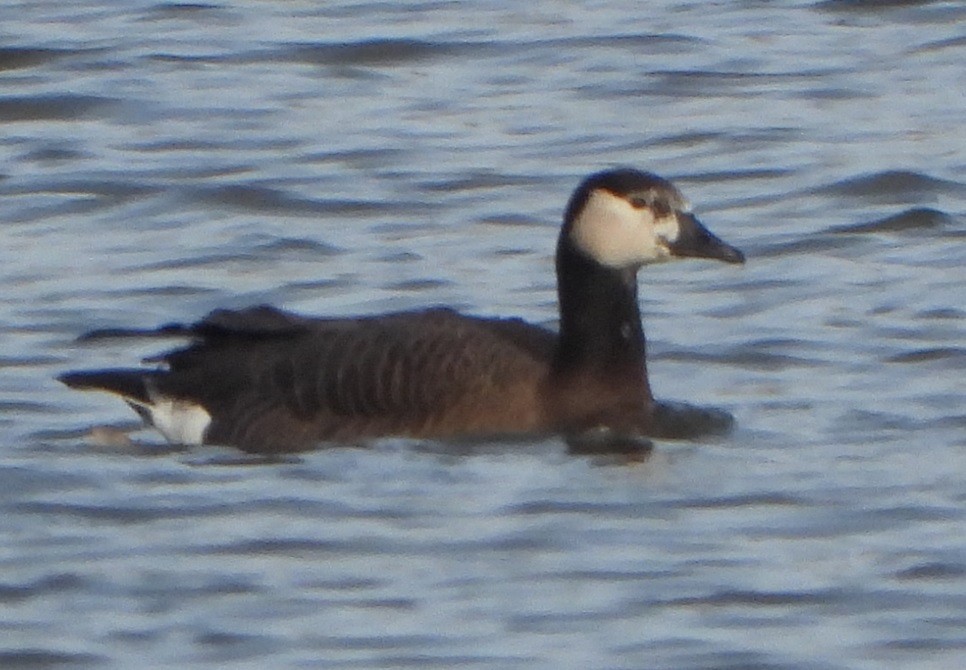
[158, 160]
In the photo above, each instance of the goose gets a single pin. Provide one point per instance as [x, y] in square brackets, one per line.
[269, 381]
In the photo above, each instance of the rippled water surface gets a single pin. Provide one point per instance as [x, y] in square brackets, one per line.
[158, 160]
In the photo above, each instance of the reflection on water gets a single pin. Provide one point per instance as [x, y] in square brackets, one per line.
[159, 160]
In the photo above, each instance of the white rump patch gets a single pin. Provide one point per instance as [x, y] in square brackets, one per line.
[180, 421]
[614, 233]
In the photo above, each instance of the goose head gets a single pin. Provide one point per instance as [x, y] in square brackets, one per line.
[623, 219]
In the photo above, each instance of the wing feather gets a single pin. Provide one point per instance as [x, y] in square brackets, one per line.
[267, 376]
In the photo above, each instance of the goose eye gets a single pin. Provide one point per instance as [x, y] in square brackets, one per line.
[661, 209]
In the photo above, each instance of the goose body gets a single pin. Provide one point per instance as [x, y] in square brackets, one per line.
[270, 381]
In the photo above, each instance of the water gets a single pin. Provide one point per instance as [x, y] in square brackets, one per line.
[158, 160]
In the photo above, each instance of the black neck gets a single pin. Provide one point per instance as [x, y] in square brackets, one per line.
[600, 321]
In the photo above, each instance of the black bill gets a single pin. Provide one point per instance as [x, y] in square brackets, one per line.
[696, 241]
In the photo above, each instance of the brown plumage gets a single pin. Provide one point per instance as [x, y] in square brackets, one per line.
[270, 381]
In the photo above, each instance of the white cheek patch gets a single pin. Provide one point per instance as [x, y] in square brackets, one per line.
[616, 234]
[667, 228]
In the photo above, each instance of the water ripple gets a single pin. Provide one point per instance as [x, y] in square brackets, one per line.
[913, 219]
[376, 52]
[951, 357]
[266, 199]
[53, 107]
[17, 58]
[48, 658]
[893, 187]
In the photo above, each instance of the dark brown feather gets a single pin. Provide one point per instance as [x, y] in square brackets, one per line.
[275, 381]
